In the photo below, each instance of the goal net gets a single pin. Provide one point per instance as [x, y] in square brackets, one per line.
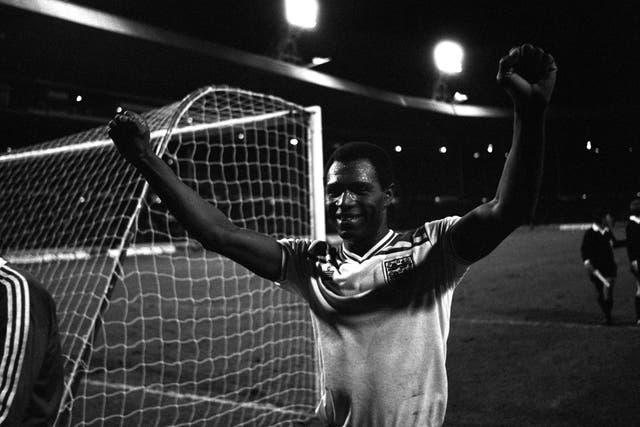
[155, 330]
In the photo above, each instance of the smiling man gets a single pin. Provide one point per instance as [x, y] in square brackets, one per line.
[381, 302]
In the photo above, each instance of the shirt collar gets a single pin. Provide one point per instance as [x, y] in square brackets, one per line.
[599, 229]
[375, 248]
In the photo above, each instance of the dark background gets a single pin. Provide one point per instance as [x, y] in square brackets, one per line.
[46, 61]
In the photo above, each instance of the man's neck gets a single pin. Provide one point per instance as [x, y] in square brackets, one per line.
[361, 247]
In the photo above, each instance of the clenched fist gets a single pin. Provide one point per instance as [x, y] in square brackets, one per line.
[528, 75]
[130, 133]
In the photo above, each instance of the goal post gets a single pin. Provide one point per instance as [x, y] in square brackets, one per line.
[156, 330]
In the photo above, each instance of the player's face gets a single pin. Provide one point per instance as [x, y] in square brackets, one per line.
[356, 203]
[609, 221]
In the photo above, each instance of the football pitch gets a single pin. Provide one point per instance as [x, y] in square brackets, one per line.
[526, 348]
[198, 341]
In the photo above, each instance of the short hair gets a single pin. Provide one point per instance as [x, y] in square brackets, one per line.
[634, 206]
[598, 214]
[357, 150]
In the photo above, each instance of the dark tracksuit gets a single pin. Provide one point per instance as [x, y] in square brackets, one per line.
[31, 372]
[633, 250]
[597, 247]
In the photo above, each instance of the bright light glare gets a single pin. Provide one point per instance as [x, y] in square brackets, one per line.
[588, 145]
[79, 98]
[302, 13]
[448, 57]
[443, 149]
[460, 97]
[398, 148]
[490, 148]
[319, 61]
[294, 141]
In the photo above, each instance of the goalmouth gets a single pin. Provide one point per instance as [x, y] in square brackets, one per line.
[156, 330]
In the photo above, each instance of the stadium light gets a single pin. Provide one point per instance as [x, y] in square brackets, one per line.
[490, 148]
[317, 61]
[398, 148]
[588, 145]
[448, 57]
[443, 149]
[460, 97]
[302, 13]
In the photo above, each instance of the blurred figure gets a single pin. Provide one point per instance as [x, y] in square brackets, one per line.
[597, 255]
[633, 249]
[31, 375]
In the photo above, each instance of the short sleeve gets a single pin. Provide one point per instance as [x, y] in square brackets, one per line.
[296, 267]
[439, 233]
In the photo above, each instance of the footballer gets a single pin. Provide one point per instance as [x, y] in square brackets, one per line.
[381, 302]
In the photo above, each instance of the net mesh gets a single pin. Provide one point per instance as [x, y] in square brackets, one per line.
[156, 330]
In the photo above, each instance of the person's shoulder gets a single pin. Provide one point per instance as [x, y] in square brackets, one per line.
[442, 224]
[433, 230]
[304, 246]
[37, 290]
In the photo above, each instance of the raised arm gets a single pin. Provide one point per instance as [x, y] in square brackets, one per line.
[258, 252]
[528, 75]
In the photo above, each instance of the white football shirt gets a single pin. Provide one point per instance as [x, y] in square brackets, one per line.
[382, 323]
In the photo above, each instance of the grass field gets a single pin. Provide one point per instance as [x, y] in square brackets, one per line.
[198, 340]
[526, 345]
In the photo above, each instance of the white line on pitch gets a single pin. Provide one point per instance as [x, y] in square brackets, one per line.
[543, 324]
[195, 397]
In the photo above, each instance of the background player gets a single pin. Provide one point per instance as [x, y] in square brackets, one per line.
[381, 303]
[31, 376]
[598, 259]
[633, 249]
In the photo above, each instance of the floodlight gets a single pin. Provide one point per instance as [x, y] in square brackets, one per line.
[302, 13]
[460, 97]
[448, 57]
[317, 60]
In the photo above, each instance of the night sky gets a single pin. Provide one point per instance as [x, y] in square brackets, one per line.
[381, 44]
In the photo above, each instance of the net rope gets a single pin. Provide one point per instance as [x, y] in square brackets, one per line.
[156, 330]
